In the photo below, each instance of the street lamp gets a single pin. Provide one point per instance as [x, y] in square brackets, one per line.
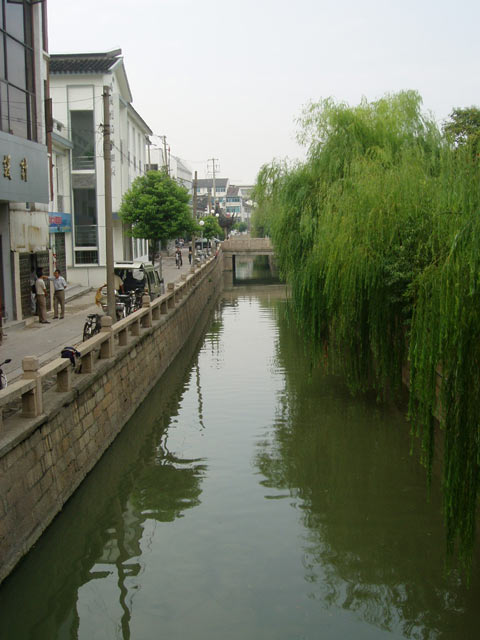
[201, 223]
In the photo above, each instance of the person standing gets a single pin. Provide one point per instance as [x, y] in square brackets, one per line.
[59, 286]
[190, 252]
[41, 294]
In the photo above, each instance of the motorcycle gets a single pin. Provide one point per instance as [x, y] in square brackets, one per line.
[92, 325]
[3, 377]
[120, 302]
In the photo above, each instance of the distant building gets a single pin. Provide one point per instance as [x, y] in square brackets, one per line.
[177, 168]
[233, 200]
[24, 141]
[76, 87]
[205, 187]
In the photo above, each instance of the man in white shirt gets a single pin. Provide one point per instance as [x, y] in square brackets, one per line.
[59, 286]
[41, 292]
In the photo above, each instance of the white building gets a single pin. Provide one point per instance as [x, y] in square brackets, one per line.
[24, 140]
[77, 85]
[177, 168]
[60, 209]
[233, 200]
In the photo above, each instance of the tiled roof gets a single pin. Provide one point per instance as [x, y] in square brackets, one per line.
[208, 182]
[83, 62]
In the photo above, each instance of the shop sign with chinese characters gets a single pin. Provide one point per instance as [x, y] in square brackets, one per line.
[23, 170]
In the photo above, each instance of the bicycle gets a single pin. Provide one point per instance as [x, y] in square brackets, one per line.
[3, 377]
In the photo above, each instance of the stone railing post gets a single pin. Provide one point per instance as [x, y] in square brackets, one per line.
[106, 348]
[171, 289]
[32, 401]
[64, 379]
[156, 312]
[147, 318]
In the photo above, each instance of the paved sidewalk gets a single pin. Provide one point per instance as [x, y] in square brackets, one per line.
[47, 340]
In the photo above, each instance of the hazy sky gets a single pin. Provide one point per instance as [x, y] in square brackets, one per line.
[227, 79]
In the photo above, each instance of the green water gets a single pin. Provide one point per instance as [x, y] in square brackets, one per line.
[248, 498]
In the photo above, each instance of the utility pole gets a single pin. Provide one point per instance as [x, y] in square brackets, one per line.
[107, 159]
[214, 169]
[194, 251]
[148, 149]
[165, 160]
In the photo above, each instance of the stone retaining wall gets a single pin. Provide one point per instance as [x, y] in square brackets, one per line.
[44, 459]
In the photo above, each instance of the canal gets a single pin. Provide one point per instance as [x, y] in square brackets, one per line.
[249, 497]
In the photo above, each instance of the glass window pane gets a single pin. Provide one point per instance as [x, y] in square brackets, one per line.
[3, 107]
[16, 64]
[85, 210]
[29, 64]
[14, 20]
[2, 56]
[17, 103]
[28, 25]
[32, 119]
[83, 139]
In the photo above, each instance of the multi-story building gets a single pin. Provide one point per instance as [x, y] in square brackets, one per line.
[217, 192]
[239, 202]
[233, 200]
[24, 186]
[176, 167]
[77, 84]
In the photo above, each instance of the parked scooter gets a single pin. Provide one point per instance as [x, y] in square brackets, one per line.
[3, 377]
[92, 325]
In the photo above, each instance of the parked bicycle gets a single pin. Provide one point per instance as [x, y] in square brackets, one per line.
[92, 325]
[3, 377]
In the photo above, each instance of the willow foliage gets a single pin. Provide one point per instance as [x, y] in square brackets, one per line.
[378, 233]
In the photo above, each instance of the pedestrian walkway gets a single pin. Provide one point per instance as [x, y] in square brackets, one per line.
[47, 340]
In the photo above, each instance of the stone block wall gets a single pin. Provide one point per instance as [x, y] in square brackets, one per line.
[46, 458]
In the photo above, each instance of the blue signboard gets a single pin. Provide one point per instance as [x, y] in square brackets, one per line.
[60, 222]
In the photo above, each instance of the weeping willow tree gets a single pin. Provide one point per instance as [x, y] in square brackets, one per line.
[377, 233]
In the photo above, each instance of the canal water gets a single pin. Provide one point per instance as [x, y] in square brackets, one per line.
[250, 497]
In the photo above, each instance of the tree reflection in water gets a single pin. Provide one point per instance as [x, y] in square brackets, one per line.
[138, 481]
[373, 540]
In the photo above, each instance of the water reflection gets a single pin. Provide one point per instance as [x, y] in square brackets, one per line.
[255, 270]
[92, 550]
[249, 498]
[373, 541]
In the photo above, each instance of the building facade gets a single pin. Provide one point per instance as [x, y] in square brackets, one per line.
[177, 168]
[77, 84]
[24, 172]
[232, 199]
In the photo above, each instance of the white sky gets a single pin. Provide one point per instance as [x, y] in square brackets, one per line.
[227, 79]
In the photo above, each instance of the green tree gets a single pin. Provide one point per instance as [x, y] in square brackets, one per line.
[240, 226]
[210, 229]
[156, 208]
[463, 126]
[378, 234]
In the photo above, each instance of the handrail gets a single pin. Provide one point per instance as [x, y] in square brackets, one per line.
[30, 387]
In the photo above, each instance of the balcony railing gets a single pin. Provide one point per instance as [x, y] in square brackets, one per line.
[83, 163]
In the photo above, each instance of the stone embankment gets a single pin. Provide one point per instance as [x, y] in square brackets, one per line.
[67, 420]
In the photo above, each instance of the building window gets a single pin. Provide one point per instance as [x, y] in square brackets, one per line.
[83, 138]
[85, 213]
[17, 83]
[86, 257]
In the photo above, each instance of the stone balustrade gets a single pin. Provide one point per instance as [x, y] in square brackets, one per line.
[31, 387]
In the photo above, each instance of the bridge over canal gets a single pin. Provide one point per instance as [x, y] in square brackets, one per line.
[242, 246]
